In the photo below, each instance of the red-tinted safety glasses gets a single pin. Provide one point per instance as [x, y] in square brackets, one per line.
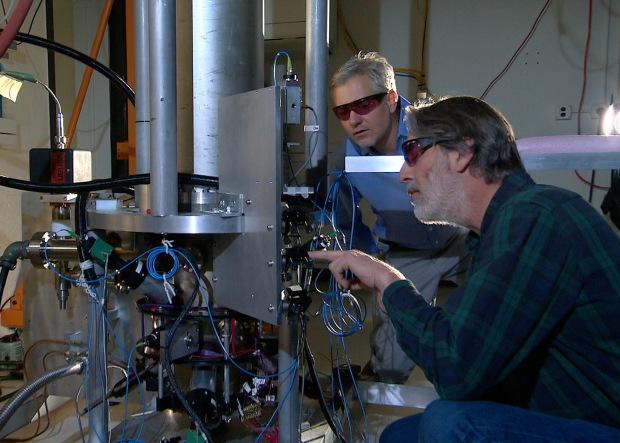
[362, 106]
[415, 147]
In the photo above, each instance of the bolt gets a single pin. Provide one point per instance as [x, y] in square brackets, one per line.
[269, 227]
[270, 308]
[214, 279]
[270, 263]
[248, 202]
[188, 340]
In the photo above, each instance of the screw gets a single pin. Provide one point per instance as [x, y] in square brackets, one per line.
[214, 279]
[248, 202]
[270, 308]
[270, 263]
[269, 227]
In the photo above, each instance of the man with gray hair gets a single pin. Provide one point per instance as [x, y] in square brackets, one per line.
[527, 349]
[371, 113]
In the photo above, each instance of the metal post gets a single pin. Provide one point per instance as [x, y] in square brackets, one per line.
[96, 374]
[288, 384]
[227, 53]
[316, 81]
[226, 336]
[143, 107]
[163, 94]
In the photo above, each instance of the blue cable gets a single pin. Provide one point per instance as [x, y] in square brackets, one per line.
[152, 257]
[293, 373]
[226, 354]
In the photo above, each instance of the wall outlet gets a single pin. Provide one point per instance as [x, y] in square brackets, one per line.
[563, 112]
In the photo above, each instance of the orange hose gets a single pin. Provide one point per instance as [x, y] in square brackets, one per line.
[88, 72]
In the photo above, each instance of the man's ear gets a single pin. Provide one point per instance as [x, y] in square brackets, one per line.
[392, 100]
[461, 158]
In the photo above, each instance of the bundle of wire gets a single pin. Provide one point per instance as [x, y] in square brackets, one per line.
[343, 313]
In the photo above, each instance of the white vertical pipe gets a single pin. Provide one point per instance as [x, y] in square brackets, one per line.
[163, 95]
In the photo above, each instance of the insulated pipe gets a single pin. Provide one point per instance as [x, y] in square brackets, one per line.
[143, 112]
[24, 393]
[227, 54]
[316, 80]
[163, 101]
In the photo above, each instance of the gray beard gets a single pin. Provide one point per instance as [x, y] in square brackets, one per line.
[443, 202]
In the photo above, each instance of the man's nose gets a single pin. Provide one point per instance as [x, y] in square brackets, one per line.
[354, 118]
[405, 173]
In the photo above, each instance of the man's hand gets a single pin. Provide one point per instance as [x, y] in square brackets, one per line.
[368, 272]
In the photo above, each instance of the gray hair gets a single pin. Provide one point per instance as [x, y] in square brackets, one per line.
[371, 64]
[495, 152]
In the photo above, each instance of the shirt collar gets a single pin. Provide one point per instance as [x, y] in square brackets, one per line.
[512, 184]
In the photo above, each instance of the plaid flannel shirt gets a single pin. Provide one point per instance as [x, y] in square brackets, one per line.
[537, 322]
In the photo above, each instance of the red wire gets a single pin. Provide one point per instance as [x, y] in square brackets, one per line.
[584, 84]
[595, 186]
[584, 81]
[518, 51]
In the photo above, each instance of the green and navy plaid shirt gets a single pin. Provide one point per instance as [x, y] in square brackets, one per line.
[537, 322]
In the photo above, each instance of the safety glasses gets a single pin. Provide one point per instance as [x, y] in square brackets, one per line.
[362, 106]
[415, 147]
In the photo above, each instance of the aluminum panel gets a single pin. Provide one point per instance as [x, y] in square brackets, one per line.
[247, 267]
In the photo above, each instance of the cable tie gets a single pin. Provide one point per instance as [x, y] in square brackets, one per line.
[167, 244]
[202, 287]
[86, 264]
[169, 290]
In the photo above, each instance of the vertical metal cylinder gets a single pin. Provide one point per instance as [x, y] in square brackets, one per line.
[226, 336]
[143, 106]
[96, 383]
[288, 383]
[163, 94]
[227, 59]
[316, 78]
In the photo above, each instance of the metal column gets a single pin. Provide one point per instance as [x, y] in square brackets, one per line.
[143, 112]
[288, 383]
[316, 80]
[96, 378]
[227, 53]
[163, 95]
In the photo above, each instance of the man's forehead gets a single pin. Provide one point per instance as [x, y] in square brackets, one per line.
[356, 87]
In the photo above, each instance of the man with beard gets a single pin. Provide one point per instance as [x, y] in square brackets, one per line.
[528, 347]
[371, 113]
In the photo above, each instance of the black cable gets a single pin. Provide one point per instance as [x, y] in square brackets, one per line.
[4, 273]
[100, 184]
[114, 78]
[36, 11]
[80, 230]
[315, 380]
